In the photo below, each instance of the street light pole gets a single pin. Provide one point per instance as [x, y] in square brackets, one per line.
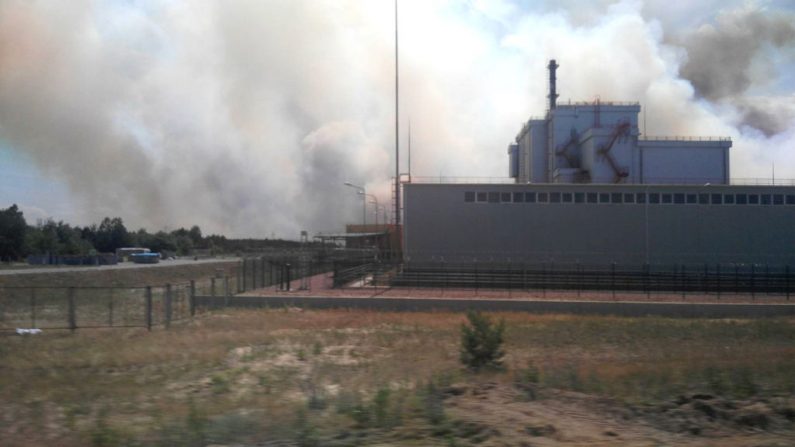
[361, 190]
[364, 194]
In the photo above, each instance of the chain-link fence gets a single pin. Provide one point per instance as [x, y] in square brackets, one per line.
[279, 271]
[94, 307]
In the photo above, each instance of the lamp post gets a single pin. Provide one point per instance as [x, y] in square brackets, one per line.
[364, 196]
[361, 190]
[378, 208]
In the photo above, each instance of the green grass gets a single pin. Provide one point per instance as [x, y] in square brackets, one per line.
[348, 377]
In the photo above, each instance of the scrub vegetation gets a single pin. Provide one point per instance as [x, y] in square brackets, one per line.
[333, 378]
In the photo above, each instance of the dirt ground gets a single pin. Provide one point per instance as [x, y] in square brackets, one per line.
[292, 377]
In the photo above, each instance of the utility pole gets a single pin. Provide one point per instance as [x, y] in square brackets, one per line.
[397, 133]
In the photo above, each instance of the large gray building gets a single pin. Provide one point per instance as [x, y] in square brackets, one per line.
[588, 188]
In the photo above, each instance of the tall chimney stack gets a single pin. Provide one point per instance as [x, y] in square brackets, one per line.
[553, 95]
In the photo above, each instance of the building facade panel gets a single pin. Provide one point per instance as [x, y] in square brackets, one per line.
[599, 224]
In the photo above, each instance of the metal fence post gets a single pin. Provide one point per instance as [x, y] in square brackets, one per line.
[752, 283]
[70, 298]
[684, 281]
[767, 278]
[736, 279]
[192, 298]
[168, 305]
[262, 271]
[226, 291]
[786, 280]
[613, 279]
[149, 308]
[254, 273]
[544, 279]
[32, 307]
[110, 307]
[706, 279]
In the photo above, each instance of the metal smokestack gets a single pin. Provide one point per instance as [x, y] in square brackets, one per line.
[553, 95]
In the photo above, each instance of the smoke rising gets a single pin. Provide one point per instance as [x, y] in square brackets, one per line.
[726, 59]
[247, 117]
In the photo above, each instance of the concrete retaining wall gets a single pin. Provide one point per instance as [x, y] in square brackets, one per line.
[628, 309]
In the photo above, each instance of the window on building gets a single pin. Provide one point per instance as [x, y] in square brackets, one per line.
[692, 198]
[703, 199]
[741, 199]
[518, 197]
[494, 197]
[530, 197]
[505, 197]
[543, 197]
[717, 199]
[641, 196]
[679, 198]
[469, 196]
[753, 199]
[728, 199]
[482, 197]
[616, 197]
[667, 198]
[654, 198]
[592, 197]
[554, 197]
[790, 199]
[765, 199]
[567, 197]
[629, 197]
[604, 197]
[778, 199]
[579, 197]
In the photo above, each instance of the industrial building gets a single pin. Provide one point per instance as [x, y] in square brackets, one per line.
[588, 188]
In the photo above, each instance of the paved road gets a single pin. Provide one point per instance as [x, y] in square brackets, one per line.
[123, 265]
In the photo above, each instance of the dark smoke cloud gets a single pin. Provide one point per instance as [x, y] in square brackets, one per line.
[728, 58]
[720, 57]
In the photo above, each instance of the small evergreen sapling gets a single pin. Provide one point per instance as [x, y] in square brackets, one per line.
[481, 342]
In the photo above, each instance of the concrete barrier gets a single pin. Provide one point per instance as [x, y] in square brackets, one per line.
[627, 309]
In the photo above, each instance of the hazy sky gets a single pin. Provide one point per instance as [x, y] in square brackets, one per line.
[246, 117]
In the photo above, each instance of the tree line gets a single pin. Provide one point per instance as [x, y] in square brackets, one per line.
[18, 239]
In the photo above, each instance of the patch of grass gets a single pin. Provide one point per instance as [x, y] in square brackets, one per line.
[368, 372]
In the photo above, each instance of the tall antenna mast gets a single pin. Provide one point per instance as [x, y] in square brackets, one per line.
[397, 133]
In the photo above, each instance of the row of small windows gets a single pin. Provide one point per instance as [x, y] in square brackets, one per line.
[630, 197]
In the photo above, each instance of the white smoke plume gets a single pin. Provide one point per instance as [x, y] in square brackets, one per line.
[246, 117]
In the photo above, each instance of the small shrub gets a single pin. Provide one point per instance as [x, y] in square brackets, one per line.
[305, 433]
[230, 428]
[220, 384]
[381, 406]
[196, 425]
[433, 401]
[102, 434]
[481, 342]
[527, 381]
